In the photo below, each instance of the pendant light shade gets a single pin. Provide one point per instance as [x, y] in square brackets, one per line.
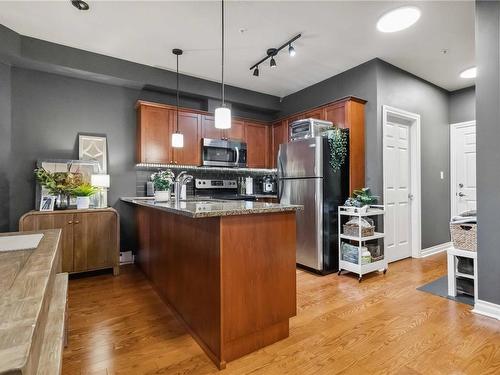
[177, 137]
[177, 140]
[222, 114]
[222, 118]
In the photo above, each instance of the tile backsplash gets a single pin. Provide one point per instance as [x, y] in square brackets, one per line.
[144, 172]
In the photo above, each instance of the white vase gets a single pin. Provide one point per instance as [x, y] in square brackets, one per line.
[162, 196]
[82, 203]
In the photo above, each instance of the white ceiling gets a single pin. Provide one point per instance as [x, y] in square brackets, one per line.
[336, 36]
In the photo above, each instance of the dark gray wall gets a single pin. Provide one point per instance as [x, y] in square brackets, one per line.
[402, 90]
[5, 130]
[462, 105]
[383, 84]
[488, 150]
[360, 81]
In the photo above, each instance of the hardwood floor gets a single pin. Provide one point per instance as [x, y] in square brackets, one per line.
[118, 325]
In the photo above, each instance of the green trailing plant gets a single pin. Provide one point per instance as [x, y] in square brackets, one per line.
[58, 182]
[163, 180]
[338, 144]
[84, 190]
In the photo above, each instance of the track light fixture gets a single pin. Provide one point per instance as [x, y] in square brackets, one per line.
[272, 52]
[272, 64]
[80, 4]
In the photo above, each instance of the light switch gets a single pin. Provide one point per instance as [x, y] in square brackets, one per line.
[442, 175]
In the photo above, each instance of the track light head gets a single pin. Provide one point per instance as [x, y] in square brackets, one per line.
[291, 50]
[80, 4]
[256, 71]
[272, 64]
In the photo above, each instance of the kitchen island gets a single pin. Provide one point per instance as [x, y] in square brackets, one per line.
[226, 268]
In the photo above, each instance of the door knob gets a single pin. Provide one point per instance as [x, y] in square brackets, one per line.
[462, 194]
[410, 196]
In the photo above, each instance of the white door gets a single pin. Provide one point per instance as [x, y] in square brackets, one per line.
[463, 164]
[397, 194]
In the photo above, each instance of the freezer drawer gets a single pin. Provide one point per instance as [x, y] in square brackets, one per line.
[309, 193]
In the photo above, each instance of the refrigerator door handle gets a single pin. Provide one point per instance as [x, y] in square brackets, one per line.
[280, 176]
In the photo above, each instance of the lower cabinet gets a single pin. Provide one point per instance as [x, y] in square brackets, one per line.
[90, 238]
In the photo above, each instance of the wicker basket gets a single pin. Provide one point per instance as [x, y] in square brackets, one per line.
[464, 236]
[353, 230]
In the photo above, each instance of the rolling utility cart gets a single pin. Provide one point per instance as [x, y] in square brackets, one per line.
[361, 248]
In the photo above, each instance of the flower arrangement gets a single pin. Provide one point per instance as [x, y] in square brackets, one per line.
[338, 144]
[163, 180]
[58, 183]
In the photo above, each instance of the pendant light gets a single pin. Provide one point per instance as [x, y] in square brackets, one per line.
[177, 136]
[223, 114]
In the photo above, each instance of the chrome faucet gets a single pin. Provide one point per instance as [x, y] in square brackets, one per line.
[182, 179]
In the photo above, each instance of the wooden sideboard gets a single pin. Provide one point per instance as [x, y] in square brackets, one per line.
[90, 238]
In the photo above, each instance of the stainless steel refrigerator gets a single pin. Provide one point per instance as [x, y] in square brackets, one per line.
[305, 177]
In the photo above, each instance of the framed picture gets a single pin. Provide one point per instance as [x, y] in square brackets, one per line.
[92, 147]
[47, 203]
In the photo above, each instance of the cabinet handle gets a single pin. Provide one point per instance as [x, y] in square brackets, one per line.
[70, 222]
[77, 222]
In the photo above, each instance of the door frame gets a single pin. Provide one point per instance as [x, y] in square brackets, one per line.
[415, 172]
[453, 135]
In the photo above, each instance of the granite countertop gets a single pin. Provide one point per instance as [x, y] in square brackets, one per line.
[200, 208]
[24, 281]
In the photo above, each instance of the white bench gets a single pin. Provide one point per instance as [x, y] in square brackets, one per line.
[453, 272]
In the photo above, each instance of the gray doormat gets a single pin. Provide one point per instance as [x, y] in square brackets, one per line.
[439, 288]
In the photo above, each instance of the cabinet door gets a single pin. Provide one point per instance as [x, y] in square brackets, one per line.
[190, 126]
[54, 221]
[143, 230]
[257, 145]
[208, 128]
[153, 134]
[95, 240]
[317, 113]
[237, 131]
[279, 136]
[336, 114]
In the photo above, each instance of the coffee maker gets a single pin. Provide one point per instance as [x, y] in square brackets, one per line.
[268, 184]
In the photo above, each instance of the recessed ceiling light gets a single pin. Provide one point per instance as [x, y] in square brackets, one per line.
[398, 19]
[469, 73]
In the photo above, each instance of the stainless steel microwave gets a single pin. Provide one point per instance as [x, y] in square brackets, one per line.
[308, 128]
[223, 153]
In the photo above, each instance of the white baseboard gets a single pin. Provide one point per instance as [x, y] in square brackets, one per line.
[487, 309]
[435, 249]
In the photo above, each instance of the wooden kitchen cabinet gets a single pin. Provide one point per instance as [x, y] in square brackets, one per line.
[237, 131]
[279, 136]
[258, 144]
[208, 128]
[318, 114]
[154, 129]
[190, 127]
[90, 238]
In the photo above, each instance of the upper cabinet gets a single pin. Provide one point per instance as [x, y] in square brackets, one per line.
[153, 134]
[190, 127]
[237, 131]
[279, 132]
[208, 128]
[258, 145]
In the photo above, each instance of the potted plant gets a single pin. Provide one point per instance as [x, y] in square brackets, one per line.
[58, 184]
[361, 200]
[162, 182]
[83, 192]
